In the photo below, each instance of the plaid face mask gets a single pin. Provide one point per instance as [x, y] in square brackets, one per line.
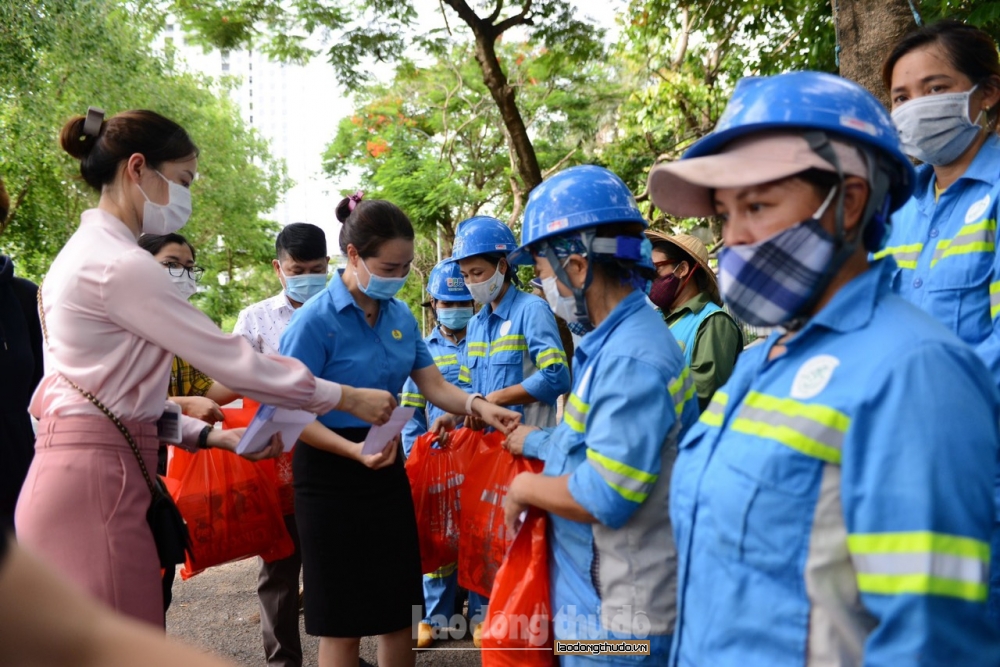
[768, 283]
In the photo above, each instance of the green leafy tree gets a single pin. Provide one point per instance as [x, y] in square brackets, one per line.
[58, 58]
[381, 30]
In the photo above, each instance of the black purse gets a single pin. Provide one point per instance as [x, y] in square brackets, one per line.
[170, 532]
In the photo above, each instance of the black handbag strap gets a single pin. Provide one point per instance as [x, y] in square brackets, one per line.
[100, 406]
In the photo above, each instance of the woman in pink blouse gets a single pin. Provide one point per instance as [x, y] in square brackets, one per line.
[114, 323]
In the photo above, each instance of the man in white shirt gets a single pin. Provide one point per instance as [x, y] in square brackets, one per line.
[301, 265]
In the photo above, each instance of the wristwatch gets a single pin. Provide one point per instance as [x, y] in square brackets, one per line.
[468, 403]
[203, 437]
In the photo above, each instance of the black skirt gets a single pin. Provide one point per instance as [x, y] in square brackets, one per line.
[360, 554]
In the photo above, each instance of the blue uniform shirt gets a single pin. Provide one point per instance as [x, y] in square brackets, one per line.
[446, 355]
[946, 252]
[518, 343]
[330, 336]
[834, 505]
[632, 397]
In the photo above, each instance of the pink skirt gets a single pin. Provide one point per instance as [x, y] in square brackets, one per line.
[82, 510]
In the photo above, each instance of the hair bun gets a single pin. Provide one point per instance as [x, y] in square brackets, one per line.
[74, 141]
[347, 205]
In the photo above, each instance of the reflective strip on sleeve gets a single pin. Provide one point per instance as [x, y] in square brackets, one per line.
[443, 571]
[575, 413]
[478, 349]
[630, 483]
[413, 400]
[446, 360]
[971, 238]
[465, 375]
[550, 357]
[682, 390]
[921, 563]
[811, 429]
[906, 256]
[994, 299]
[512, 343]
[716, 410]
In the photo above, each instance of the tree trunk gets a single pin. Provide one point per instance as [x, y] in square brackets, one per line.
[867, 30]
[503, 95]
[486, 32]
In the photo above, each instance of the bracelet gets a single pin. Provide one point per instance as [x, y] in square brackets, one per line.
[468, 403]
[203, 437]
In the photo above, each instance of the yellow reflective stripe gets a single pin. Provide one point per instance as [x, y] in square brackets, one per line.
[478, 349]
[511, 343]
[994, 299]
[510, 347]
[631, 483]
[919, 541]
[920, 584]
[811, 429]
[575, 413]
[682, 390]
[413, 400]
[714, 413]
[464, 374]
[446, 359]
[921, 563]
[443, 571]
[550, 357]
[906, 256]
[971, 238]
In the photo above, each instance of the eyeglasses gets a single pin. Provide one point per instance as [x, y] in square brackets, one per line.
[177, 270]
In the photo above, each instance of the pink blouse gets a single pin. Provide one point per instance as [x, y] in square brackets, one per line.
[115, 321]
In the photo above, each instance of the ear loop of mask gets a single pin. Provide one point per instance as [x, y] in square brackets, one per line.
[578, 292]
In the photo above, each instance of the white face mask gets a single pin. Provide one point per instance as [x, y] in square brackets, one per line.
[562, 306]
[488, 290]
[936, 129]
[185, 284]
[166, 218]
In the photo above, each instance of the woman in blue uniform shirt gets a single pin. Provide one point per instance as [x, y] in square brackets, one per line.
[360, 556]
[452, 306]
[944, 82]
[513, 354]
[607, 465]
[833, 505]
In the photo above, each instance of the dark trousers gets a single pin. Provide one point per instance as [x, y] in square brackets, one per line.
[278, 590]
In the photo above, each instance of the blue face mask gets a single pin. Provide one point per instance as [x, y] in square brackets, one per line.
[455, 319]
[304, 287]
[380, 287]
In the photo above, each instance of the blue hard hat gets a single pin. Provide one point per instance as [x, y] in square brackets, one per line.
[446, 283]
[574, 199]
[482, 235]
[812, 101]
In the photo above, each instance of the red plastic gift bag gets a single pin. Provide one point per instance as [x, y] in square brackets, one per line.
[483, 539]
[278, 470]
[519, 617]
[230, 507]
[436, 475]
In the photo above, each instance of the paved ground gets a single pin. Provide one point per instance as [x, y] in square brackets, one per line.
[217, 610]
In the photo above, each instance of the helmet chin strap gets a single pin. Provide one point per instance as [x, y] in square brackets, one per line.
[587, 237]
[877, 205]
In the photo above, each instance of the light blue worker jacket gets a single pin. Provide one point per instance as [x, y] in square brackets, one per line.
[833, 506]
[518, 343]
[632, 398]
[946, 252]
[446, 355]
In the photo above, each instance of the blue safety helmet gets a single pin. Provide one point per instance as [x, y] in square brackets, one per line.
[482, 235]
[446, 283]
[562, 216]
[815, 102]
[575, 199]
